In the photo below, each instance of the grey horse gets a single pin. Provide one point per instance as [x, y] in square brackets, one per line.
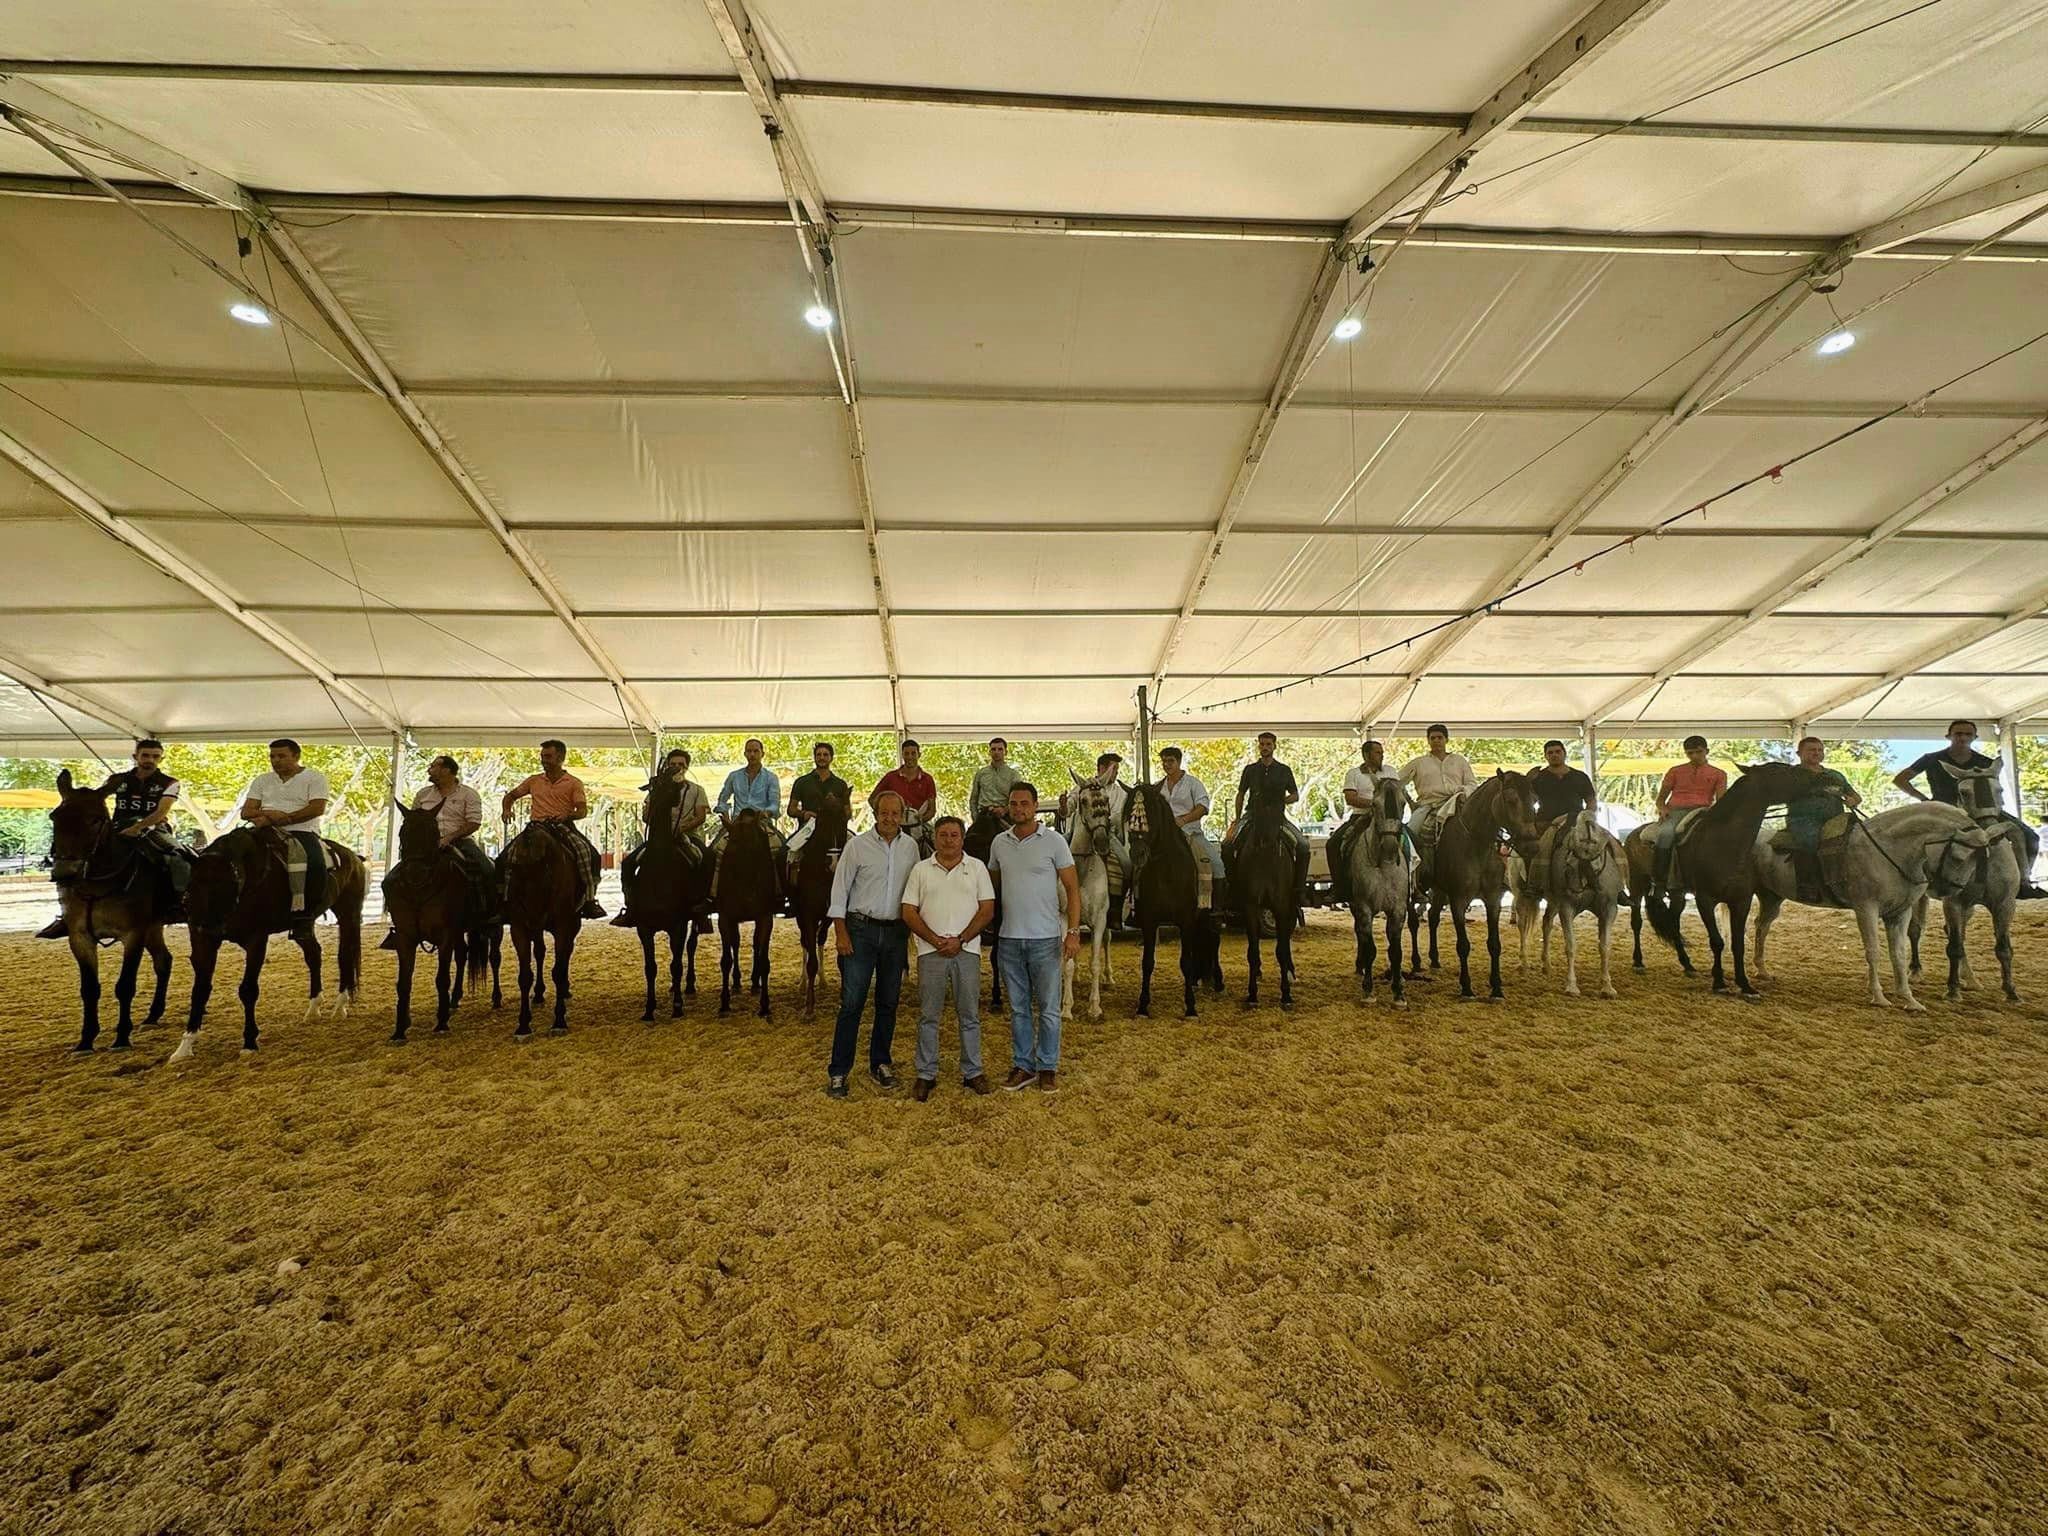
[1377, 863]
[1587, 874]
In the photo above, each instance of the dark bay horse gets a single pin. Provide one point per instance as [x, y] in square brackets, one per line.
[543, 896]
[749, 891]
[429, 900]
[109, 890]
[1716, 864]
[1640, 847]
[1468, 866]
[1169, 891]
[241, 894]
[669, 888]
[812, 893]
[988, 826]
[1261, 869]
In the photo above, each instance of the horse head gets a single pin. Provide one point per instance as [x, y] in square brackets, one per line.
[1390, 806]
[79, 826]
[1514, 806]
[1091, 814]
[419, 833]
[219, 876]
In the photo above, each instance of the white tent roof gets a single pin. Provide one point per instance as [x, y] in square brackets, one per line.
[605, 477]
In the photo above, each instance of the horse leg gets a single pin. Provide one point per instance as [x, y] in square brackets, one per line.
[2001, 930]
[1254, 918]
[1571, 949]
[251, 989]
[160, 962]
[1414, 939]
[1768, 905]
[497, 957]
[539, 941]
[1194, 961]
[1609, 911]
[408, 955]
[1361, 932]
[87, 954]
[677, 942]
[1464, 946]
[1867, 926]
[1635, 920]
[308, 940]
[522, 950]
[565, 946]
[1283, 955]
[124, 986]
[1677, 913]
[1493, 992]
[1895, 942]
[1098, 962]
[205, 955]
[1738, 919]
[764, 931]
[1918, 926]
[1148, 938]
[1394, 956]
[447, 981]
[696, 932]
[647, 965]
[728, 960]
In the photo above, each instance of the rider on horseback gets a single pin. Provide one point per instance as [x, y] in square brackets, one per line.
[991, 788]
[1968, 780]
[1692, 785]
[807, 796]
[688, 806]
[1562, 794]
[1831, 796]
[291, 799]
[142, 801]
[1268, 776]
[918, 790]
[558, 804]
[1361, 788]
[1188, 798]
[1436, 779]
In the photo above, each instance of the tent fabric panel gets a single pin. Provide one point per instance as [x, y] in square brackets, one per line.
[1234, 646]
[576, 301]
[2022, 648]
[25, 724]
[321, 564]
[80, 647]
[75, 564]
[1853, 486]
[208, 711]
[1697, 703]
[970, 312]
[452, 645]
[23, 496]
[1432, 468]
[1903, 576]
[990, 574]
[1792, 645]
[1510, 643]
[1021, 704]
[1653, 573]
[1051, 464]
[940, 156]
[770, 704]
[364, 34]
[2013, 500]
[1984, 698]
[677, 570]
[663, 462]
[189, 448]
[1312, 52]
[745, 646]
[453, 143]
[1551, 702]
[90, 286]
[1286, 570]
[1022, 644]
[550, 707]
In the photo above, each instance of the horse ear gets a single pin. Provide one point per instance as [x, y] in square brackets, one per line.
[1078, 780]
[402, 806]
[63, 781]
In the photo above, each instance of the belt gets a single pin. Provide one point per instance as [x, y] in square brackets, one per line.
[878, 922]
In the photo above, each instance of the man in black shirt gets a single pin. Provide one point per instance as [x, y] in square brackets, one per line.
[1960, 776]
[1560, 791]
[1267, 776]
[807, 796]
[141, 809]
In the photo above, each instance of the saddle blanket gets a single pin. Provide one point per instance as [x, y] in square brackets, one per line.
[297, 863]
[1819, 878]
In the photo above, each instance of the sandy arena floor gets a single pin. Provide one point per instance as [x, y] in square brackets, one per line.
[1670, 1264]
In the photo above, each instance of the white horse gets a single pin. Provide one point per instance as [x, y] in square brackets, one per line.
[1891, 863]
[1995, 884]
[1093, 843]
[1376, 865]
[1588, 873]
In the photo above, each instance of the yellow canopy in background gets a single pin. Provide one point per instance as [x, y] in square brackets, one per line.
[27, 799]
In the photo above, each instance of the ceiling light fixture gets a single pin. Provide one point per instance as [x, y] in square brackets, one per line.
[818, 318]
[250, 314]
[1348, 327]
[1836, 341]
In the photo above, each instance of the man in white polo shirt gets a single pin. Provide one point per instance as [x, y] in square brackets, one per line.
[1034, 865]
[1188, 798]
[1361, 793]
[947, 901]
[292, 798]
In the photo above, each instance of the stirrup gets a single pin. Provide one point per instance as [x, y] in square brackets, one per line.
[56, 928]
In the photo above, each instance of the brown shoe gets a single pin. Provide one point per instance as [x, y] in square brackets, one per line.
[923, 1090]
[1018, 1078]
[978, 1083]
[1049, 1082]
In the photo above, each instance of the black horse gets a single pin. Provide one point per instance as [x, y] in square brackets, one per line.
[749, 890]
[1169, 892]
[666, 885]
[109, 890]
[988, 826]
[1261, 867]
[811, 891]
[430, 900]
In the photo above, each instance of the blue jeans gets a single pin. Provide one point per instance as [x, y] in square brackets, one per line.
[1031, 973]
[877, 958]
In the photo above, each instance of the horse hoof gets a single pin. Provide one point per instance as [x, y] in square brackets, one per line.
[121, 1045]
[647, 1017]
[1608, 994]
[248, 1051]
[1400, 1002]
[396, 1040]
[83, 1048]
[1639, 966]
[1496, 998]
[184, 1050]
[558, 1029]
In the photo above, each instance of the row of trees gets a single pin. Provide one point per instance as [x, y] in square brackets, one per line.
[216, 774]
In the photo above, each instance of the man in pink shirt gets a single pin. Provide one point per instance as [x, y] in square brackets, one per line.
[1688, 786]
[558, 804]
[919, 792]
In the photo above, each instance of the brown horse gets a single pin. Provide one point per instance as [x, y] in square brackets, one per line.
[1717, 866]
[1468, 866]
[812, 894]
[429, 900]
[543, 895]
[749, 890]
[668, 888]
[1169, 892]
[241, 894]
[1640, 846]
[109, 890]
[1260, 866]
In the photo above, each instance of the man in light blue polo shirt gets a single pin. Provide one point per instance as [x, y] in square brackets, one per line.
[1032, 865]
[752, 788]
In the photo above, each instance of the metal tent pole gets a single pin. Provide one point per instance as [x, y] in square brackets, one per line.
[391, 801]
[2009, 763]
[1144, 738]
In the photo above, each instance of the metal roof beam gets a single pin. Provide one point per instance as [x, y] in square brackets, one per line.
[1898, 525]
[2034, 607]
[179, 569]
[69, 118]
[63, 694]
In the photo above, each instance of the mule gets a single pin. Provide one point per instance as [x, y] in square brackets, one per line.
[1169, 892]
[543, 898]
[1260, 866]
[1639, 849]
[811, 893]
[749, 890]
[241, 894]
[1995, 883]
[1092, 840]
[1714, 864]
[429, 900]
[1890, 863]
[1585, 875]
[1377, 870]
[1468, 867]
[109, 891]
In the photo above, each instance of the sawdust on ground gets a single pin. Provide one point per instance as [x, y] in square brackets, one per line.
[1668, 1264]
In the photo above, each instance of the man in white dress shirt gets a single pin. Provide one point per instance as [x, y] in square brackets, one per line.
[947, 902]
[1188, 798]
[868, 929]
[291, 799]
[1435, 779]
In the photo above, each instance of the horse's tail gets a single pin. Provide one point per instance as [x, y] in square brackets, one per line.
[348, 954]
[478, 957]
[1663, 908]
